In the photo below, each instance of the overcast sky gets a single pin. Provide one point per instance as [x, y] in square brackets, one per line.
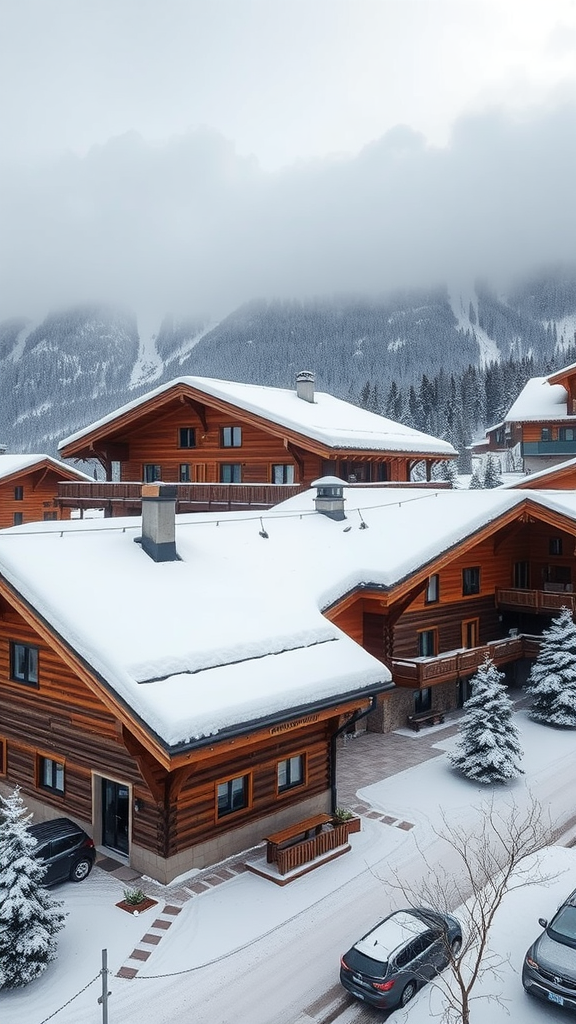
[192, 154]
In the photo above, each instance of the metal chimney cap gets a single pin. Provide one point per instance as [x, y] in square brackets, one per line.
[305, 375]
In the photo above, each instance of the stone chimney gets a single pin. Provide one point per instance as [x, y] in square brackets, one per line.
[330, 497]
[305, 385]
[159, 522]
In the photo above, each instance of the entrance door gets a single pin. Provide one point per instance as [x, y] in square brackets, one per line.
[115, 802]
[470, 630]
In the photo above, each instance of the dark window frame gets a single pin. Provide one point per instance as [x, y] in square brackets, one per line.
[19, 493]
[18, 519]
[555, 545]
[432, 633]
[186, 437]
[566, 434]
[470, 580]
[30, 674]
[147, 476]
[286, 469]
[234, 468]
[231, 437]
[433, 589]
[291, 783]
[224, 808]
[545, 434]
[184, 474]
[56, 770]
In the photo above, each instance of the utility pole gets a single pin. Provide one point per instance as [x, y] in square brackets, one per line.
[103, 999]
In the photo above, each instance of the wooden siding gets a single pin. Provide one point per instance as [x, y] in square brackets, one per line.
[40, 489]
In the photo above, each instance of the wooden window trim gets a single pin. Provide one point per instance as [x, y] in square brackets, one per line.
[232, 466]
[19, 493]
[469, 622]
[280, 793]
[433, 600]
[555, 542]
[476, 592]
[434, 631]
[44, 755]
[34, 683]
[233, 443]
[186, 431]
[248, 775]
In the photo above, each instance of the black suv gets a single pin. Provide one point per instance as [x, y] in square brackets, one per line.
[549, 969]
[388, 965]
[66, 849]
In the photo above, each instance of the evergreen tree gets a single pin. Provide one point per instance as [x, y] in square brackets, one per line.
[29, 916]
[552, 680]
[488, 748]
[475, 480]
[492, 476]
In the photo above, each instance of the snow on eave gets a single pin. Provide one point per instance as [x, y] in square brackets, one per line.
[12, 464]
[540, 475]
[329, 421]
[539, 401]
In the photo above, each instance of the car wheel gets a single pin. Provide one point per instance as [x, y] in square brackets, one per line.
[80, 870]
[408, 993]
[456, 945]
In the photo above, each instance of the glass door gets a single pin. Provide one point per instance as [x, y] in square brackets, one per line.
[115, 807]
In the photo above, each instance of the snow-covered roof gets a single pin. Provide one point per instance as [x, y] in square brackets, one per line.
[539, 400]
[542, 474]
[10, 464]
[383, 940]
[234, 631]
[328, 420]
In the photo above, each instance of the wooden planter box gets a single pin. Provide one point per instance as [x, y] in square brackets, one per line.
[351, 824]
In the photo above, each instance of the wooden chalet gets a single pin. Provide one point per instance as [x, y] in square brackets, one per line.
[187, 703]
[232, 446]
[540, 425]
[29, 488]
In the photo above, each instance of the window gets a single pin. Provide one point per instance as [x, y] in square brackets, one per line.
[521, 575]
[470, 633]
[51, 774]
[555, 545]
[18, 519]
[433, 589]
[566, 434]
[24, 663]
[283, 474]
[187, 437]
[232, 795]
[18, 494]
[50, 517]
[231, 437]
[423, 700]
[184, 473]
[152, 473]
[471, 581]
[545, 434]
[290, 773]
[230, 473]
[427, 643]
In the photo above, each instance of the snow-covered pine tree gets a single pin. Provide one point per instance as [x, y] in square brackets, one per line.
[29, 916]
[475, 480]
[552, 679]
[488, 747]
[492, 477]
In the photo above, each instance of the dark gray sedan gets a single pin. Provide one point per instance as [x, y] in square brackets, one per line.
[391, 962]
[549, 969]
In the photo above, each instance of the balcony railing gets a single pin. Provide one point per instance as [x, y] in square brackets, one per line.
[549, 447]
[453, 665]
[539, 602]
[126, 498]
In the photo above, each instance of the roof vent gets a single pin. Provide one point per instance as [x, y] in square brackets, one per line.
[330, 497]
[305, 385]
[159, 521]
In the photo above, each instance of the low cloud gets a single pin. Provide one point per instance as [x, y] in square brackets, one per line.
[191, 226]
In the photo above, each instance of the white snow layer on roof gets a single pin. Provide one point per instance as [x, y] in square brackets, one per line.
[329, 420]
[10, 464]
[234, 631]
[539, 400]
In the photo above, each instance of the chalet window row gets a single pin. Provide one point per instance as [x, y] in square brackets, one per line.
[558, 434]
[229, 473]
[230, 437]
[235, 794]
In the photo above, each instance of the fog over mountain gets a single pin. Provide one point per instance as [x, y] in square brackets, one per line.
[188, 226]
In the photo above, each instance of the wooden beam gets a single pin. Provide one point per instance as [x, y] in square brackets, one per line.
[199, 408]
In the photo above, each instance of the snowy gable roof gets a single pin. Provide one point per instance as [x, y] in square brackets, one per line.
[539, 400]
[328, 420]
[11, 464]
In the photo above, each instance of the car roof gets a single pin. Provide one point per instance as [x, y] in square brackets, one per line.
[387, 936]
[54, 828]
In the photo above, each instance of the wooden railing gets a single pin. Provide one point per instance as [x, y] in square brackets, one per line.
[453, 665]
[537, 601]
[292, 857]
[125, 498]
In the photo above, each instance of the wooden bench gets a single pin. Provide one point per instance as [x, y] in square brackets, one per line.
[421, 718]
[300, 830]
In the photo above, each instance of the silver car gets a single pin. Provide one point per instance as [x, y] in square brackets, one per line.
[549, 969]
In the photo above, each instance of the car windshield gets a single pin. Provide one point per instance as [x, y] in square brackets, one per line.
[563, 927]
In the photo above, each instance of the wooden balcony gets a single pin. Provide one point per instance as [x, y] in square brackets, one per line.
[418, 673]
[537, 602]
[125, 499]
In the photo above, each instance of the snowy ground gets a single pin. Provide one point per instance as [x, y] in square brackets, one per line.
[226, 924]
